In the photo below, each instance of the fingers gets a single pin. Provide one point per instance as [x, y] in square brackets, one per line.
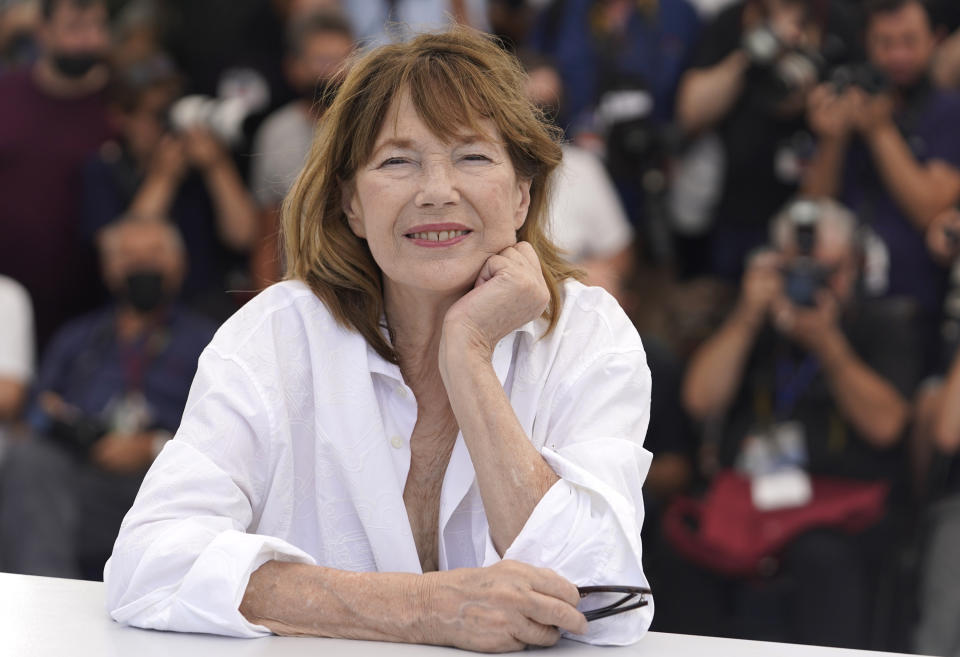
[494, 264]
[531, 633]
[556, 613]
[547, 582]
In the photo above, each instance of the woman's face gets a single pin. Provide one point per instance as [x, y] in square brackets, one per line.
[432, 212]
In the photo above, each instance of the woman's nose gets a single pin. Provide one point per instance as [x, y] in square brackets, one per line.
[437, 186]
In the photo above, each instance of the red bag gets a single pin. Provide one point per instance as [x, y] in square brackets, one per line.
[725, 533]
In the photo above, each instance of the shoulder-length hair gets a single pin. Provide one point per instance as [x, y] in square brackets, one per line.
[454, 79]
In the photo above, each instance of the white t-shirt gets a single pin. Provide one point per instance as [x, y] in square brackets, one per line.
[587, 219]
[16, 332]
[294, 447]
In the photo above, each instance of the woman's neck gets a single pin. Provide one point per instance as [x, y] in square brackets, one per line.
[416, 318]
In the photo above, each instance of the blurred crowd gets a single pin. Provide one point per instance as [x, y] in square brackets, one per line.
[768, 187]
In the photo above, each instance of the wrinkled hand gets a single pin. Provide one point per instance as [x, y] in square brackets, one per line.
[762, 284]
[123, 453]
[812, 328]
[870, 113]
[504, 607]
[943, 236]
[830, 115]
[203, 149]
[509, 292]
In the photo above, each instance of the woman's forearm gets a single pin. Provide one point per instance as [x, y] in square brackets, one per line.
[511, 474]
[293, 599]
[504, 607]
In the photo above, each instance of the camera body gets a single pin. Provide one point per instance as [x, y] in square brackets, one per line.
[864, 76]
[79, 433]
[783, 70]
[804, 277]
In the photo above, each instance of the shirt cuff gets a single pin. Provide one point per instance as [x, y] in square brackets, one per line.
[207, 599]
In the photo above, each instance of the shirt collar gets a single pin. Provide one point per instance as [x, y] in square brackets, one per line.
[502, 354]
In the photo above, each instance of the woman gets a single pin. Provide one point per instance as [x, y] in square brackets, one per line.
[430, 433]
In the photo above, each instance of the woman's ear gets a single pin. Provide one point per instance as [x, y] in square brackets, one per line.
[523, 202]
[350, 205]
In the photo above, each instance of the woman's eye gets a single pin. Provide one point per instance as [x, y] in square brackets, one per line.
[476, 157]
[391, 161]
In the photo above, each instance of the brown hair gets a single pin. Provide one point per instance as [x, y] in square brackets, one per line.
[453, 79]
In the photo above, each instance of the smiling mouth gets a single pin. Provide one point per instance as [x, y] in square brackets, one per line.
[438, 236]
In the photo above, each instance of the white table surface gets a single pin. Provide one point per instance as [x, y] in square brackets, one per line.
[41, 617]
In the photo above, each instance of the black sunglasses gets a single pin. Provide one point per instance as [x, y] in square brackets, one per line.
[634, 598]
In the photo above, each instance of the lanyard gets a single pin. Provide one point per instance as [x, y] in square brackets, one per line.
[791, 382]
[137, 355]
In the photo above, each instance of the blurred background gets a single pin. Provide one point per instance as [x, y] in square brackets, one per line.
[768, 187]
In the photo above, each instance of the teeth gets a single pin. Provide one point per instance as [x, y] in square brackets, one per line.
[438, 236]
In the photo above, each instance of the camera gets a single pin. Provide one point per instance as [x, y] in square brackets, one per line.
[782, 70]
[78, 433]
[223, 118]
[241, 93]
[863, 76]
[804, 277]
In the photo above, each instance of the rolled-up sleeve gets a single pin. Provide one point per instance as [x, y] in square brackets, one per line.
[183, 557]
[587, 526]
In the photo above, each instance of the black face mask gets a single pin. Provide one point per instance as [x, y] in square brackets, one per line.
[76, 65]
[143, 291]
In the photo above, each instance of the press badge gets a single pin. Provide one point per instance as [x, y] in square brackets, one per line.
[775, 461]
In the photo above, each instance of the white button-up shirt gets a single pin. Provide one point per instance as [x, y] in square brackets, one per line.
[294, 446]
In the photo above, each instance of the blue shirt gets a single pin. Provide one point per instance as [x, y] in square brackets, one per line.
[87, 366]
[930, 129]
[653, 47]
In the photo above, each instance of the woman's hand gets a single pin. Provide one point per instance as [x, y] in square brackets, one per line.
[504, 607]
[509, 292]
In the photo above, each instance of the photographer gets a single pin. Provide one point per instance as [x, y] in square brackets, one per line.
[750, 75]
[111, 389]
[893, 154]
[936, 443]
[804, 371]
[597, 43]
[185, 174]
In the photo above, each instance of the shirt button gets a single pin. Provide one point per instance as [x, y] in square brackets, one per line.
[397, 442]
[401, 392]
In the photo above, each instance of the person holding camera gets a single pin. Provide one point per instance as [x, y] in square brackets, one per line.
[109, 394]
[889, 148]
[799, 380]
[755, 63]
[935, 445]
[181, 172]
